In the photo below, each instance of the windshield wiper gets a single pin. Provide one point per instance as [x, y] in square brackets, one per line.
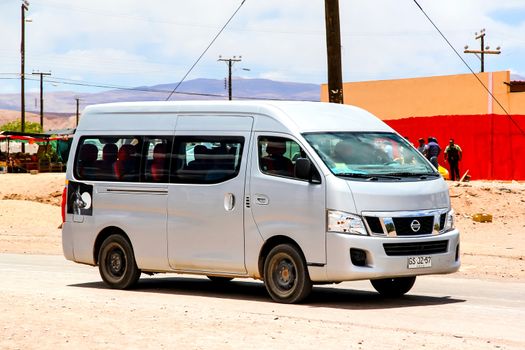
[420, 175]
[370, 177]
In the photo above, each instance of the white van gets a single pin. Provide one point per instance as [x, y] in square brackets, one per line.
[293, 193]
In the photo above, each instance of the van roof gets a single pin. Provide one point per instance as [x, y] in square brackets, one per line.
[299, 116]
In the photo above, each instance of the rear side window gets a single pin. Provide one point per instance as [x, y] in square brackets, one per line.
[109, 158]
[156, 160]
[206, 159]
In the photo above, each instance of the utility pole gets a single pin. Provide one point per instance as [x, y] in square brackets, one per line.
[24, 8]
[230, 65]
[333, 50]
[41, 97]
[484, 50]
[78, 102]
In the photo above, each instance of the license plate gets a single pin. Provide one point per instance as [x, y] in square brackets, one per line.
[419, 262]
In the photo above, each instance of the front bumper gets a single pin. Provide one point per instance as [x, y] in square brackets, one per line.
[378, 264]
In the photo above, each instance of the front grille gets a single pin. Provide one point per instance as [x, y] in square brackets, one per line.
[442, 219]
[374, 223]
[417, 248]
[404, 225]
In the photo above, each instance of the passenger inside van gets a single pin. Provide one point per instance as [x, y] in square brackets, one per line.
[343, 152]
[87, 161]
[107, 165]
[201, 159]
[275, 162]
[126, 164]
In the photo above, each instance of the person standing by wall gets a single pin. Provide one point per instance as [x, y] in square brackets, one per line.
[453, 154]
[421, 147]
[432, 151]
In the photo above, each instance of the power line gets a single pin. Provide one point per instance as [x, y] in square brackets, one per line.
[58, 80]
[116, 87]
[207, 48]
[470, 69]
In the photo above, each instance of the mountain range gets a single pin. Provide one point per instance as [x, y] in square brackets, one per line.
[197, 89]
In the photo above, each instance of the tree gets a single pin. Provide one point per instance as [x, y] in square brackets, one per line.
[30, 127]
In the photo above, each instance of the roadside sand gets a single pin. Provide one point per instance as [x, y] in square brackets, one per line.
[30, 217]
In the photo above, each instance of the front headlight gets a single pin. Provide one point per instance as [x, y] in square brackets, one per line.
[449, 222]
[339, 221]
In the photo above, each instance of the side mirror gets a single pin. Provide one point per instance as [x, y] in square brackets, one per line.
[303, 169]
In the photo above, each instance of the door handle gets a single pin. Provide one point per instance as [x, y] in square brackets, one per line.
[262, 199]
[229, 201]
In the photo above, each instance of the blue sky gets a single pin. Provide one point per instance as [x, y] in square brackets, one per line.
[137, 43]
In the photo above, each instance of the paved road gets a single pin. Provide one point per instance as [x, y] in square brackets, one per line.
[48, 302]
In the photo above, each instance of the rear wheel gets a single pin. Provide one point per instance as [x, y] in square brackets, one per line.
[393, 287]
[285, 275]
[116, 263]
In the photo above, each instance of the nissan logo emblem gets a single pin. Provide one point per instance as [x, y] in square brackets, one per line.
[415, 225]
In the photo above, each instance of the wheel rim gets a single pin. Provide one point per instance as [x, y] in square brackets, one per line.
[116, 261]
[283, 274]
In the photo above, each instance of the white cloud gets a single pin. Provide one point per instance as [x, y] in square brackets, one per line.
[135, 42]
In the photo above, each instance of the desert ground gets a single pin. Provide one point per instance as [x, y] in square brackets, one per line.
[493, 255]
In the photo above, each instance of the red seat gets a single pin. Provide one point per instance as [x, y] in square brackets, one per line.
[125, 166]
[158, 165]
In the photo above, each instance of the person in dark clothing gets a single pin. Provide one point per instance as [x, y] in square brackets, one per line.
[432, 151]
[453, 154]
[275, 162]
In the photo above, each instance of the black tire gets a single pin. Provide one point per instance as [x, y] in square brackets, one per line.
[219, 279]
[285, 275]
[393, 287]
[116, 263]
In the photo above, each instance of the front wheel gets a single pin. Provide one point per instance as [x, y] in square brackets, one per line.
[285, 275]
[116, 263]
[393, 287]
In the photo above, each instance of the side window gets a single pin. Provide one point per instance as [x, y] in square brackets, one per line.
[277, 155]
[157, 155]
[206, 159]
[108, 158]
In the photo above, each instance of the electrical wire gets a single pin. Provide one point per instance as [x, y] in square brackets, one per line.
[205, 50]
[65, 81]
[469, 68]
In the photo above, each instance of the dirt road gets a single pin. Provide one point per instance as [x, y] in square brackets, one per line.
[48, 303]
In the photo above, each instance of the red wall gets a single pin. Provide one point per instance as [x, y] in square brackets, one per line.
[493, 145]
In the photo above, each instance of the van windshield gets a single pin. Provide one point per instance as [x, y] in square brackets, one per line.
[370, 155]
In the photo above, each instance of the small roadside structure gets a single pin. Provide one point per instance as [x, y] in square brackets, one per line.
[49, 155]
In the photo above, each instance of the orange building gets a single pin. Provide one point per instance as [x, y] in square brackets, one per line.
[458, 107]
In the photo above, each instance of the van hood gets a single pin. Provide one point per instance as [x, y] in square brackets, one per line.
[399, 196]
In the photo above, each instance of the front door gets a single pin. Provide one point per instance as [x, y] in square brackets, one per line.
[282, 204]
[205, 199]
